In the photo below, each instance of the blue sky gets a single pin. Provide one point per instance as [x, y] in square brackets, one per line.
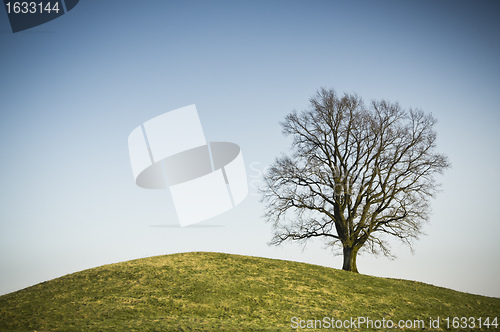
[73, 89]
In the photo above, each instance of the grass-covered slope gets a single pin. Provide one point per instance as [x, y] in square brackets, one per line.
[212, 291]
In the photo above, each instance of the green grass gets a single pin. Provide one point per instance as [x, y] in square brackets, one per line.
[211, 291]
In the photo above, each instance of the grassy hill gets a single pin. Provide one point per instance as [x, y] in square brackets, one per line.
[211, 291]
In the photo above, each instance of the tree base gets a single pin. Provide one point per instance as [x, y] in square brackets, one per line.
[350, 254]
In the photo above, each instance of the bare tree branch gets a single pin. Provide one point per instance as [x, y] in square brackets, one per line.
[355, 174]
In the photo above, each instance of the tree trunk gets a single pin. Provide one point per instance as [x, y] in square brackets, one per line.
[350, 254]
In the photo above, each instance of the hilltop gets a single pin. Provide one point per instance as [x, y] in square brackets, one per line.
[211, 291]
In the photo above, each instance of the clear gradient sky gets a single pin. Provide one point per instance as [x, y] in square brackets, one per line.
[73, 89]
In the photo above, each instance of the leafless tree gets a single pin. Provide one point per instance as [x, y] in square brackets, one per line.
[355, 175]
